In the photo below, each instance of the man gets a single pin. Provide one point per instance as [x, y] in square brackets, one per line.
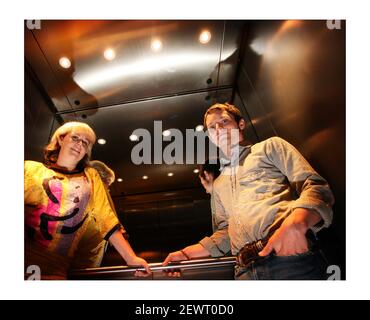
[273, 201]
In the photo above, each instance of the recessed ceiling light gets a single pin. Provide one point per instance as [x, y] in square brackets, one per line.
[199, 128]
[134, 137]
[102, 141]
[156, 45]
[166, 133]
[64, 62]
[119, 180]
[109, 54]
[145, 177]
[205, 37]
[196, 170]
[170, 174]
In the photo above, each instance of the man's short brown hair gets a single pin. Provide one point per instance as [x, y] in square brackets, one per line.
[229, 108]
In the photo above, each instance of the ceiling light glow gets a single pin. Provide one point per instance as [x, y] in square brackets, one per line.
[166, 133]
[109, 54]
[205, 37]
[64, 62]
[156, 45]
[134, 137]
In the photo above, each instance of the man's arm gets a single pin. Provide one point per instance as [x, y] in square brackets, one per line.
[313, 190]
[189, 252]
[218, 244]
[312, 210]
[290, 238]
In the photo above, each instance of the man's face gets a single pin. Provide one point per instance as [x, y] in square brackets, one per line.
[223, 130]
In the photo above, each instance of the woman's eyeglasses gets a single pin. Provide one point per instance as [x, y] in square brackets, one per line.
[77, 139]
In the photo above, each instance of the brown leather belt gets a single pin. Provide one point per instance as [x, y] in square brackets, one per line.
[249, 252]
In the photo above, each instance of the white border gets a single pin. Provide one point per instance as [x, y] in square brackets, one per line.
[11, 268]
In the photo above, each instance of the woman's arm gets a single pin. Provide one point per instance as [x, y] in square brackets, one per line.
[126, 252]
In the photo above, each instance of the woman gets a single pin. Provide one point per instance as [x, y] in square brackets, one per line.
[62, 196]
[90, 249]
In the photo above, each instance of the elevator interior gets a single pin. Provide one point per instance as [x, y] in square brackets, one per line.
[287, 77]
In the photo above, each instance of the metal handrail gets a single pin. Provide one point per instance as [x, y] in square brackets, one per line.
[185, 264]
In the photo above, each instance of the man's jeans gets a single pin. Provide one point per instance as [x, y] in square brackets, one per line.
[307, 266]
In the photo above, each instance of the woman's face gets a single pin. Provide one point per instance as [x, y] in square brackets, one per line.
[74, 146]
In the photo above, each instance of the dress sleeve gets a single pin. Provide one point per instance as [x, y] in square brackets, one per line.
[33, 192]
[103, 208]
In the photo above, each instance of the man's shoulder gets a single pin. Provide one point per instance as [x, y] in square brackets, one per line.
[271, 140]
[269, 143]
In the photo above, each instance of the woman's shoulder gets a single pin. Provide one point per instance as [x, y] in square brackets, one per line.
[90, 171]
[35, 167]
[30, 164]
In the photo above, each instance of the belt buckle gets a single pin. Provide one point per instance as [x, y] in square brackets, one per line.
[249, 253]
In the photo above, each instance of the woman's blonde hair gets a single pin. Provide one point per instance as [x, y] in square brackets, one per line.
[51, 151]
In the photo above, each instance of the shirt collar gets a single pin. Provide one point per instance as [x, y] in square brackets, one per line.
[237, 152]
[64, 170]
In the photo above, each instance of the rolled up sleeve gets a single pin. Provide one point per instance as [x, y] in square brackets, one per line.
[218, 244]
[313, 190]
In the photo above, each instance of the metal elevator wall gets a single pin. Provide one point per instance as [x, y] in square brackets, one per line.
[288, 77]
[175, 85]
[291, 83]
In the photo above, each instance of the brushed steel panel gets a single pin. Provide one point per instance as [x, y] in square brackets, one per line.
[38, 118]
[293, 79]
[40, 66]
[116, 123]
[183, 64]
